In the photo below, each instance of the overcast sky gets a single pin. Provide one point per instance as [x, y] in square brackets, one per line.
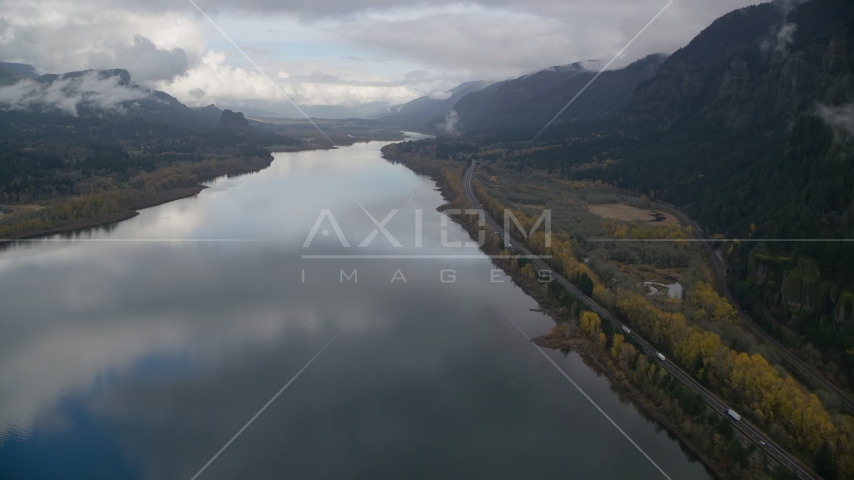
[336, 52]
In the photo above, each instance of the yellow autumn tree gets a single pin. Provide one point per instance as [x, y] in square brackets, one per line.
[751, 381]
[590, 323]
[709, 305]
[615, 344]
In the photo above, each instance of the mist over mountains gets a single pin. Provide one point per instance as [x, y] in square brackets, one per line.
[94, 91]
[95, 94]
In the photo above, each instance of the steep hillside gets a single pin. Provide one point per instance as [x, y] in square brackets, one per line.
[691, 77]
[750, 129]
[530, 101]
[756, 137]
[749, 67]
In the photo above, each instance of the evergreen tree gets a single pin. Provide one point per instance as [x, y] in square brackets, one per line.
[824, 463]
[586, 284]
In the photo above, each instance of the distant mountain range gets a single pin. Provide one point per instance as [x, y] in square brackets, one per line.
[526, 101]
[532, 100]
[96, 93]
[13, 72]
[480, 105]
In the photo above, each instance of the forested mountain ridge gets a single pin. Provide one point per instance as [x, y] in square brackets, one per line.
[687, 78]
[750, 66]
[531, 100]
[753, 138]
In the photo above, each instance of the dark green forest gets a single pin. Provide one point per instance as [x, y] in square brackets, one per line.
[81, 168]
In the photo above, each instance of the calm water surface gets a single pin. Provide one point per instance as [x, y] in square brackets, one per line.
[139, 351]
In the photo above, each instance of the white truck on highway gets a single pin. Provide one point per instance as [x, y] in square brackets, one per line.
[734, 415]
[626, 329]
[661, 357]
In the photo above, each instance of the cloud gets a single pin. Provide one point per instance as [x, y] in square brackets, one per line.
[451, 123]
[785, 36]
[167, 44]
[144, 60]
[501, 39]
[786, 6]
[306, 84]
[92, 90]
[781, 35]
[492, 44]
[839, 118]
[440, 95]
[779, 38]
[324, 10]
[58, 37]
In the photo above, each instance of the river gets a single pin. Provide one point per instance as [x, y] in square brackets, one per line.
[140, 350]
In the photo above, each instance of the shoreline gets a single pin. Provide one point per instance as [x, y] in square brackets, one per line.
[131, 212]
[132, 208]
[585, 349]
[582, 345]
[161, 198]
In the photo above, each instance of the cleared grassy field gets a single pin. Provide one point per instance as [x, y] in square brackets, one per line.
[627, 213]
